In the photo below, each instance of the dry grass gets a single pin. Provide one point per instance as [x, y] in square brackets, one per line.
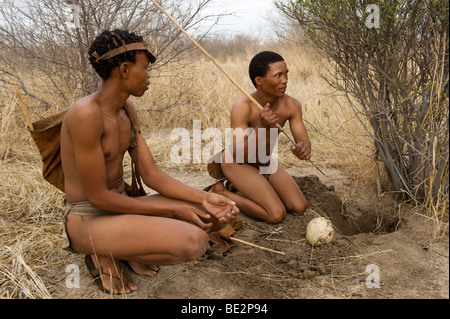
[31, 262]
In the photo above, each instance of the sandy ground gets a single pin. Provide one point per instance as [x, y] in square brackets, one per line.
[381, 250]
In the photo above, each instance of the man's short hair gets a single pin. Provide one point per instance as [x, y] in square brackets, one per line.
[260, 64]
[108, 41]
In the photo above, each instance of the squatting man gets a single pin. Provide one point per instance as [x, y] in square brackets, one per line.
[102, 222]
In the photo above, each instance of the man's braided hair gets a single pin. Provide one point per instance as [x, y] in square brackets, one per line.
[110, 40]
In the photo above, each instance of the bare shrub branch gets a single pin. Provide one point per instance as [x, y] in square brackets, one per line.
[37, 35]
[397, 73]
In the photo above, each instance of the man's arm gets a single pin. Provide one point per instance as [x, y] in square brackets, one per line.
[167, 186]
[240, 113]
[303, 145]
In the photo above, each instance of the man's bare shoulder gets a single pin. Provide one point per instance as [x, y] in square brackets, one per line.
[292, 104]
[132, 112]
[131, 108]
[84, 106]
[84, 112]
[291, 101]
[242, 105]
[241, 113]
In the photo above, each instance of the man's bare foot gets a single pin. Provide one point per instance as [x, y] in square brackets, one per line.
[230, 187]
[221, 186]
[143, 269]
[113, 280]
[218, 188]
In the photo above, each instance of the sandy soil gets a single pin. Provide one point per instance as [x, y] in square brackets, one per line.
[380, 250]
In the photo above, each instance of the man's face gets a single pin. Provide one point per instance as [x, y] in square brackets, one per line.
[276, 79]
[139, 74]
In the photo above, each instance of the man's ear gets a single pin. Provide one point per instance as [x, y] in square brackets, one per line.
[123, 68]
[258, 80]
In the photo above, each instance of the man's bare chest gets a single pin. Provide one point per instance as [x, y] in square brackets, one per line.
[116, 137]
[281, 113]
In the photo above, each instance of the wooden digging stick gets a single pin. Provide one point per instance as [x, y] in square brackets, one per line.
[226, 74]
[256, 246]
[24, 108]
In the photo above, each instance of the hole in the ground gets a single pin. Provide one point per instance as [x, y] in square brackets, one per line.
[361, 215]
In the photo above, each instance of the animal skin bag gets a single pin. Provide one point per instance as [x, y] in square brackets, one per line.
[46, 136]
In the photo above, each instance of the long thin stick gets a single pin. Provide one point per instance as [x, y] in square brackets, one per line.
[256, 246]
[226, 74]
[24, 108]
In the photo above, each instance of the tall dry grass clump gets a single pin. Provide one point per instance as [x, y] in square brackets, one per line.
[30, 211]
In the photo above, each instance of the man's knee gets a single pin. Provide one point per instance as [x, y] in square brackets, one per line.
[299, 208]
[276, 215]
[194, 245]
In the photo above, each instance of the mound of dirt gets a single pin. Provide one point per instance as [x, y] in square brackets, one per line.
[350, 218]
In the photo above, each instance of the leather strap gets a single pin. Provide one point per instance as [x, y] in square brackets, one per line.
[137, 188]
